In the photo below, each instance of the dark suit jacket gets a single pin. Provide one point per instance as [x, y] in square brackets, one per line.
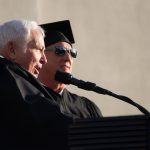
[30, 117]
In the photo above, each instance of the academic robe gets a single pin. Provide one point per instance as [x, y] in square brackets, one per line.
[30, 117]
[75, 105]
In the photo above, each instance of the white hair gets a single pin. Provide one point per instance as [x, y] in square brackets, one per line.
[17, 31]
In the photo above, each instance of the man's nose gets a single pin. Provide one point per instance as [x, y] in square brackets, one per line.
[43, 59]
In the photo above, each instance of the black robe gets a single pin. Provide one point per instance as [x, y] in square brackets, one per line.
[75, 105]
[30, 117]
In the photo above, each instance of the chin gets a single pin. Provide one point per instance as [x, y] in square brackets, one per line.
[65, 70]
[68, 71]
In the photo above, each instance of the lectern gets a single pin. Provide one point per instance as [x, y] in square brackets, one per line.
[110, 133]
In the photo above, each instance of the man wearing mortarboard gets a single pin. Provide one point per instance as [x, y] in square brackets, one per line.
[60, 54]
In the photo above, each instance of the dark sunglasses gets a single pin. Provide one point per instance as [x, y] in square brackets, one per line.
[61, 51]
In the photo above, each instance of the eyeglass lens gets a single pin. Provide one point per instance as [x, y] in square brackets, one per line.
[61, 51]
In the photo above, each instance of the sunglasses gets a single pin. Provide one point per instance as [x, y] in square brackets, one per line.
[61, 51]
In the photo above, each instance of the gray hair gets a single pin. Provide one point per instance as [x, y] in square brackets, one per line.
[17, 31]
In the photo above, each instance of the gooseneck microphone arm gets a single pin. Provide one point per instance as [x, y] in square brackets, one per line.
[67, 78]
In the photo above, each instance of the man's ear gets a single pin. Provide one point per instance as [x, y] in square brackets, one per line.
[11, 51]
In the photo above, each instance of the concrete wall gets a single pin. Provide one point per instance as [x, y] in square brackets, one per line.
[113, 42]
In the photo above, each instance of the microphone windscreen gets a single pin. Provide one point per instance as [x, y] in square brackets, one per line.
[63, 77]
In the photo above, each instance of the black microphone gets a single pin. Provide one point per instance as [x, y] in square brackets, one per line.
[68, 78]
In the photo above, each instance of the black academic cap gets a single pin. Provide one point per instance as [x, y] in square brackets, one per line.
[58, 32]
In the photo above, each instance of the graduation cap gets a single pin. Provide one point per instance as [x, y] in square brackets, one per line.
[58, 32]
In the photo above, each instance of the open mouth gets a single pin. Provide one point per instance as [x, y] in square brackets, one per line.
[37, 69]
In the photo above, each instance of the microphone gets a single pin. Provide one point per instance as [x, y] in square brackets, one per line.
[68, 78]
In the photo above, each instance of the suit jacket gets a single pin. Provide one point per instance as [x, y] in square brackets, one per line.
[30, 117]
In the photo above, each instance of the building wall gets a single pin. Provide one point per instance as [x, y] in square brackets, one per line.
[113, 42]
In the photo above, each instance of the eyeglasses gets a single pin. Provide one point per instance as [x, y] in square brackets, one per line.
[61, 51]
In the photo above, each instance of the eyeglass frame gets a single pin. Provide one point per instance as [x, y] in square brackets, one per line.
[57, 49]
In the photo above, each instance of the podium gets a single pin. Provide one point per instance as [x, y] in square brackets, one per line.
[110, 133]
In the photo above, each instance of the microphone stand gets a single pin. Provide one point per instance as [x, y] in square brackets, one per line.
[93, 87]
[67, 78]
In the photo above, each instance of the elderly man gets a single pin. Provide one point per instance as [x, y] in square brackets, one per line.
[60, 54]
[30, 117]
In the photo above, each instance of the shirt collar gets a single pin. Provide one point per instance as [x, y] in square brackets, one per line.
[61, 92]
[1, 56]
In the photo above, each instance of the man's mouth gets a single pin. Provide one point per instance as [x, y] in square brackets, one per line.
[65, 67]
[37, 69]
